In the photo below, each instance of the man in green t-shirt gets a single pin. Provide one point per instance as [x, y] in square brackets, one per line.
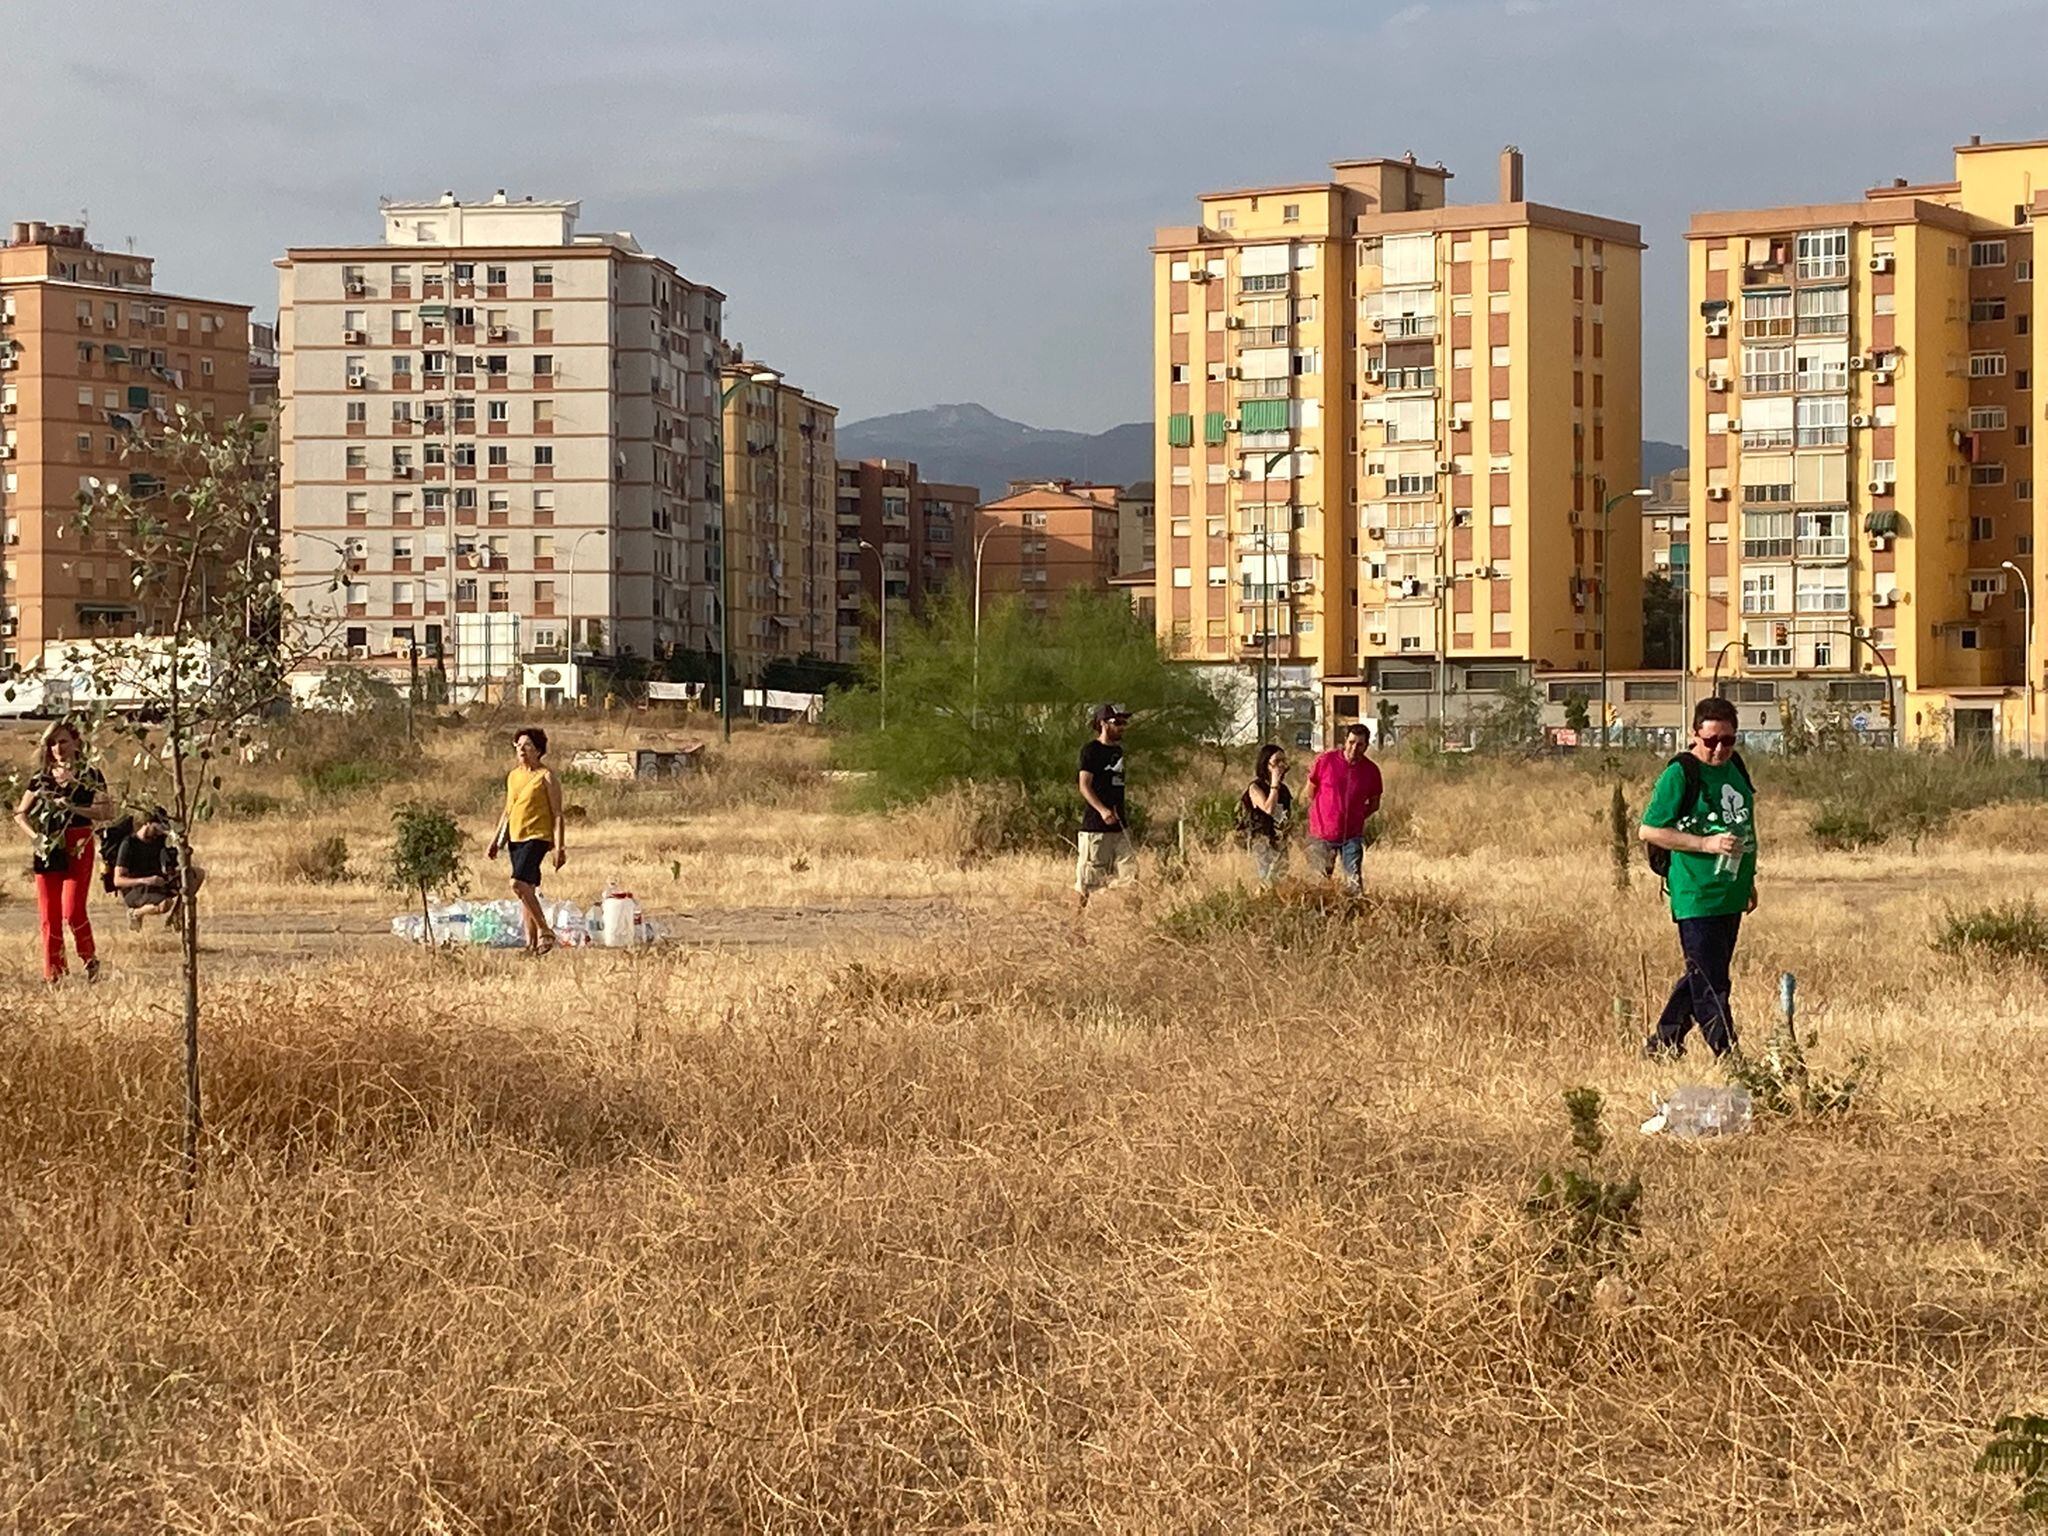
[1703, 813]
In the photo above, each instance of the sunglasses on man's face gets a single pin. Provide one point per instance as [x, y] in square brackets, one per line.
[1717, 743]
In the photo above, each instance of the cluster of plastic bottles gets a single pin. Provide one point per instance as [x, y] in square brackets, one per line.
[491, 924]
[614, 921]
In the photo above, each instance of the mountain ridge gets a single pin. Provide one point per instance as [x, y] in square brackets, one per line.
[966, 443]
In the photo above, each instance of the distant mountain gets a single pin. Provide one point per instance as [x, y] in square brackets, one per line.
[971, 445]
[1662, 458]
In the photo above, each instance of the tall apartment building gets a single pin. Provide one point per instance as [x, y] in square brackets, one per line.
[912, 527]
[91, 356]
[1136, 535]
[1865, 448]
[781, 504]
[1045, 539]
[505, 428]
[1387, 428]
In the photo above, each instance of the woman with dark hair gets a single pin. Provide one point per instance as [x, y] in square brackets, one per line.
[64, 798]
[531, 826]
[1263, 812]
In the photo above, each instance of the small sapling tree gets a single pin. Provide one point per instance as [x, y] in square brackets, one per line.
[426, 856]
[194, 524]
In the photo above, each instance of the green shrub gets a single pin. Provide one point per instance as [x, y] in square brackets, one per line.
[2015, 930]
[2021, 1449]
[245, 805]
[1020, 717]
[338, 778]
[1842, 826]
[1211, 818]
[1317, 918]
[1588, 1218]
[323, 861]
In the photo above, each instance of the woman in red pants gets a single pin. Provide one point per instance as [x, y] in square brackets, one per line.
[64, 798]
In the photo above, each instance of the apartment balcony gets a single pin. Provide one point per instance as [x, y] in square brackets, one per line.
[1402, 327]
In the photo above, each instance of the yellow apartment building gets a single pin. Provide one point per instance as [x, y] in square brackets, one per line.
[92, 355]
[781, 496]
[1388, 428]
[1864, 452]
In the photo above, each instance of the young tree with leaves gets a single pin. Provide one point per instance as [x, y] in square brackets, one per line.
[195, 525]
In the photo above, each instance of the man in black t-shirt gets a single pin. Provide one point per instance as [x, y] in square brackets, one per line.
[146, 872]
[1106, 856]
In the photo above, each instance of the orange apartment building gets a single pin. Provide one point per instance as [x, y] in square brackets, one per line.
[1044, 539]
[892, 519]
[1388, 426]
[92, 355]
[1865, 448]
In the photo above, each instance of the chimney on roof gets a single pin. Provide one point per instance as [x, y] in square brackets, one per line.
[1976, 139]
[19, 234]
[499, 197]
[1511, 175]
[447, 199]
[1900, 181]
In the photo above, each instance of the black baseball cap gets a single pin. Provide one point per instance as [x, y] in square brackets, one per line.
[1110, 712]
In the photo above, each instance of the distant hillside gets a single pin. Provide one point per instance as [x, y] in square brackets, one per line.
[1662, 458]
[971, 445]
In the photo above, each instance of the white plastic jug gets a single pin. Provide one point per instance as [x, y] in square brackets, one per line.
[621, 920]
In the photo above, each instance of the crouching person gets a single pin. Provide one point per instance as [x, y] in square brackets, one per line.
[147, 872]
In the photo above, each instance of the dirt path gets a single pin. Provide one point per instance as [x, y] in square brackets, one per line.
[307, 934]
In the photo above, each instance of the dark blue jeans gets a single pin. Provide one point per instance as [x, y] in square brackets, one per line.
[1701, 996]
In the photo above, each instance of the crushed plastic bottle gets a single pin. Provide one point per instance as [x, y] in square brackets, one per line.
[1694, 1110]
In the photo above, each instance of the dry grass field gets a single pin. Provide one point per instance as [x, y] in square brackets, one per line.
[891, 1197]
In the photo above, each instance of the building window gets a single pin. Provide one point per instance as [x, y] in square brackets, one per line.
[1766, 315]
[1290, 213]
[1983, 311]
[1766, 370]
[543, 456]
[2023, 490]
[1987, 418]
[1987, 253]
[1987, 365]
[498, 458]
[1823, 421]
[1823, 311]
[1823, 535]
[1987, 474]
[1981, 530]
[499, 410]
[1823, 253]
[1766, 535]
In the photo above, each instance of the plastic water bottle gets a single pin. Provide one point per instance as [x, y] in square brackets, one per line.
[453, 927]
[1698, 1109]
[567, 921]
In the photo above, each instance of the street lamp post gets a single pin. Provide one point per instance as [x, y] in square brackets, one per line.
[1723, 652]
[980, 544]
[574, 544]
[757, 376]
[882, 576]
[1607, 506]
[1266, 584]
[2027, 620]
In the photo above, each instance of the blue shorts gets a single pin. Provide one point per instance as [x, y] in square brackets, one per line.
[526, 859]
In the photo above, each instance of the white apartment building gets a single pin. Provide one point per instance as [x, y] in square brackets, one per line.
[502, 432]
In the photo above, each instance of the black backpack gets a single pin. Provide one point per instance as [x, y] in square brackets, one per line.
[112, 837]
[1689, 765]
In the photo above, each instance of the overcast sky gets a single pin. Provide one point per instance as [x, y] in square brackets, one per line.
[917, 201]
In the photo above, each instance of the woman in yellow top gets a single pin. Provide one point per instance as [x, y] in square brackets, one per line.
[531, 825]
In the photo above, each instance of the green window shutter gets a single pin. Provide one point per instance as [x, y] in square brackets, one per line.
[1180, 430]
[1263, 415]
[138, 397]
[1212, 427]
